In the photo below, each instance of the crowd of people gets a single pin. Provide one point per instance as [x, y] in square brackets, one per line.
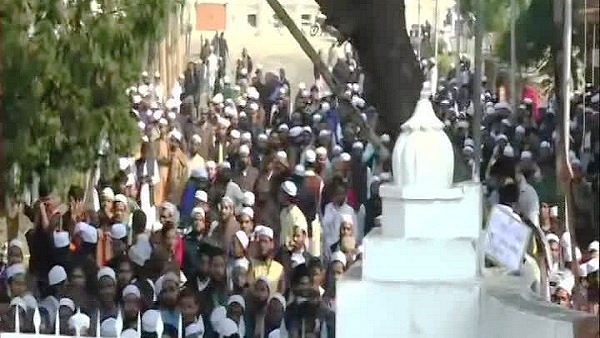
[518, 163]
[239, 214]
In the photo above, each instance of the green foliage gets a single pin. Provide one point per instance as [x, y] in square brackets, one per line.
[496, 14]
[445, 63]
[535, 35]
[66, 70]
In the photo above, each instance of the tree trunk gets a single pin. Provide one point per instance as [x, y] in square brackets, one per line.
[393, 77]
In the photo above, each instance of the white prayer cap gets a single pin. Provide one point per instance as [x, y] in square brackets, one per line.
[198, 172]
[469, 142]
[501, 137]
[506, 122]
[253, 94]
[275, 334]
[16, 243]
[169, 276]
[310, 156]
[346, 218]
[337, 150]
[356, 87]
[339, 256]
[14, 270]
[244, 71]
[149, 320]
[552, 238]
[242, 238]
[301, 86]
[57, 275]
[357, 101]
[282, 90]
[520, 129]
[241, 263]
[68, 302]
[263, 136]
[299, 170]
[325, 106]
[171, 115]
[249, 198]
[283, 127]
[246, 136]
[211, 164]
[108, 328]
[358, 145]
[131, 290]
[248, 211]
[261, 230]
[106, 272]
[108, 193]
[224, 122]
[79, 322]
[545, 144]
[243, 115]
[218, 99]
[317, 117]
[216, 316]
[281, 154]
[594, 246]
[129, 333]
[194, 330]
[226, 79]
[235, 134]
[198, 211]
[237, 299]
[88, 233]
[138, 255]
[295, 131]
[321, 151]
[526, 155]
[175, 134]
[227, 327]
[225, 165]
[157, 115]
[527, 100]
[144, 74]
[289, 188]
[345, 157]
[467, 150]
[163, 122]
[567, 282]
[254, 106]
[145, 139]
[201, 196]
[508, 151]
[136, 99]
[118, 231]
[121, 198]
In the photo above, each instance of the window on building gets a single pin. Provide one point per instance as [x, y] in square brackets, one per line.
[252, 20]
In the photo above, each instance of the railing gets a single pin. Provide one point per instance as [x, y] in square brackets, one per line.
[37, 323]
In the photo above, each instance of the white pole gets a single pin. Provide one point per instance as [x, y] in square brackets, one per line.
[420, 35]
[435, 47]
[477, 103]
[458, 31]
[513, 56]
